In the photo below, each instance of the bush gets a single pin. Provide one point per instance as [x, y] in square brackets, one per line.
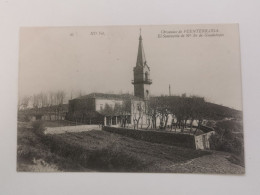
[228, 139]
[23, 117]
[233, 145]
[38, 127]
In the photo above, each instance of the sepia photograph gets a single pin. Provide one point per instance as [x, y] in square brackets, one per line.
[145, 98]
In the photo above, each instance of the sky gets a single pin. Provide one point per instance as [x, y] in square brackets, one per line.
[101, 59]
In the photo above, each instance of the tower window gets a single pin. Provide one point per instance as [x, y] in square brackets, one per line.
[147, 93]
[146, 76]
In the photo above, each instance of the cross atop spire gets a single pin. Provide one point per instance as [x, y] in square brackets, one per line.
[141, 61]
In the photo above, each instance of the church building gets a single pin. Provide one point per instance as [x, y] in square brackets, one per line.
[116, 109]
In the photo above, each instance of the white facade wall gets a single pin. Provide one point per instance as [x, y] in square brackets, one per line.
[202, 141]
[135, 104]
[100, 103]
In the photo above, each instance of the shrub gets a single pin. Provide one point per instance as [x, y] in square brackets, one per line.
[23, 117]
[233, 145]
[228, 139]
[38, 127]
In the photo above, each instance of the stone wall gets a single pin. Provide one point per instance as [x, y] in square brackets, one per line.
[181, 140]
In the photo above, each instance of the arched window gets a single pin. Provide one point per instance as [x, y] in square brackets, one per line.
[146, 76]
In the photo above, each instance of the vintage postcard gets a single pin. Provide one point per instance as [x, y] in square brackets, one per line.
[158, 98]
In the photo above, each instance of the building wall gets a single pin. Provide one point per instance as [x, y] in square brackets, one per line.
[82, 105]
[141, 77]
[78, 109]
[146, 77]
[135, 113]
[202, 141]
[100, 103]
[146, 91]
[139, 90]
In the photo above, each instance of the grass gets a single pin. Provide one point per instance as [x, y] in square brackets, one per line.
[31, 151]
[97, 151]
[59, 123]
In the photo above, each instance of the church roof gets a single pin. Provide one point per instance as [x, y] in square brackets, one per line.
[110, 96]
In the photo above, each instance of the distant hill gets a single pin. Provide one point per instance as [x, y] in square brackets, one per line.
[218, 112]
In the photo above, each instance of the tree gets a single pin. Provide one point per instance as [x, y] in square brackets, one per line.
[152, 112]
[194, 105]
[163, 112]
[200, 112]
[43, 99]
[180, 112]
[182, 108]
[124, 111]
[36, 101]
[107, 110]
[52, 98]
[24, 102]
[138, 112]
[60, 96]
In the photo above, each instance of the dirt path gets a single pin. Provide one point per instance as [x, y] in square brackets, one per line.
[71, 129]
[215, 163]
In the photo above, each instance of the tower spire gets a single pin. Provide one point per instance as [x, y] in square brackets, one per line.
[142, 79]
[141, 61]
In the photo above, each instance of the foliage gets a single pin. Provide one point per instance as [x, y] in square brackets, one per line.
[117, 109]
[219, 112]
[31, 149]
[138, 113]
[42, 100]
[229, 138]
[38, 127]
[182, 108]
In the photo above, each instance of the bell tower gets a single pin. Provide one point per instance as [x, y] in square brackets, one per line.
[142, 79]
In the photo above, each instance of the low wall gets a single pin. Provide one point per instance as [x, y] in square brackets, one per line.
[202, 141]
[181, 140]
[66, 129]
